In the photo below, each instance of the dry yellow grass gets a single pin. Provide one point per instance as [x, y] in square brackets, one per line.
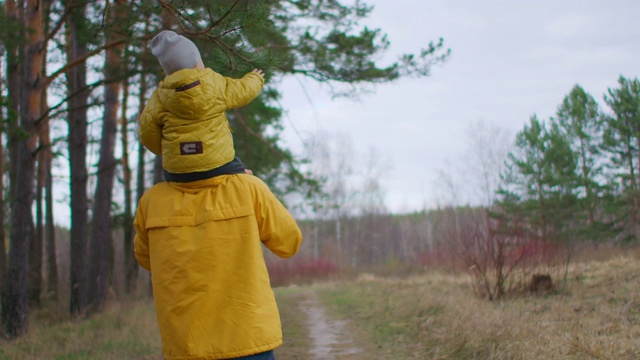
[431, 316]
[125, 330]
[435, 316]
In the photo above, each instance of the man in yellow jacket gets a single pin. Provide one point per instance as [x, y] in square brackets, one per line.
[202, 239]
[202, 243]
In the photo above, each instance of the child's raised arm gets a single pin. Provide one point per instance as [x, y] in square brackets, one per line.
[240, 92]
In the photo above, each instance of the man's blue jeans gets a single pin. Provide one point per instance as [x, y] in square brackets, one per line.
[267, 355]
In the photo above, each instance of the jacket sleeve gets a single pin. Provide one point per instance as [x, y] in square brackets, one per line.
[141, 240]
[278, 229]
[240, 92]
[150, 129]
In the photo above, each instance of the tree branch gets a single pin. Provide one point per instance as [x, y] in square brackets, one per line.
[86, 56]
[221, 43]
[228, 32]
[200, 31]
[59, 24]
[216, 23]
[177, 12]
[63, 101]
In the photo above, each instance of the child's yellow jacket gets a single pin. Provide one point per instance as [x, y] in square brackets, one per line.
[185, 120]
[202, 242]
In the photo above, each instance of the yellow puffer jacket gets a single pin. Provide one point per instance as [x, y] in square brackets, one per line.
[185, 120]
[202, 242]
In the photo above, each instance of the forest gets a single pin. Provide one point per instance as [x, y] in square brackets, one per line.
[76, 74]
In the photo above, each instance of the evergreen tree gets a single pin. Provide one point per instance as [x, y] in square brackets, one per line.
[15, 308]
[581, 119]
[321, 40]
[538, 198]
[622, 143]
[524, 189]
[538, 187]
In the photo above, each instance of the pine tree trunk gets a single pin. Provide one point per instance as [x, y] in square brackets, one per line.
[35, 247]
[14, 77]
[77, 117]
[3, 253]
[50, 229]
[131, 265]
[129, 280]
[140, 181]
[101, 241]
[140, 188]
[13, 90]
[15, 307]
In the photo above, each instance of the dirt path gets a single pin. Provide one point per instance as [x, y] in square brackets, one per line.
[329, 338]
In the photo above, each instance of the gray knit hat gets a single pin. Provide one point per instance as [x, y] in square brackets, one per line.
[175, 52]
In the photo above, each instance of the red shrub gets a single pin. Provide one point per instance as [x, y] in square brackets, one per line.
[300, 270]
[535, 253]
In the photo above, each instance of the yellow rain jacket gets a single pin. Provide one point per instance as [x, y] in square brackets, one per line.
[202, 242]
[185, 120]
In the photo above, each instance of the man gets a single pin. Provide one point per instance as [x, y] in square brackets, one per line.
[201, 241]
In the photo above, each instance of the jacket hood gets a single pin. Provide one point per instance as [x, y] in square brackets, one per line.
[182, 93]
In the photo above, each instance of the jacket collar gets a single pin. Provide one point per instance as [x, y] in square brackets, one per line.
[197, 186]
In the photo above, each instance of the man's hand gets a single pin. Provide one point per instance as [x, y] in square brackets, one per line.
[248, 172]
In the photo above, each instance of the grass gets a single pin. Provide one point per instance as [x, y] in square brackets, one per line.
[124, 331]
[428, 316]
[294, 329]
[435, 316]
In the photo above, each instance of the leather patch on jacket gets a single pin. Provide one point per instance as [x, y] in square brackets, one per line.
[191, 148]
[188, 86]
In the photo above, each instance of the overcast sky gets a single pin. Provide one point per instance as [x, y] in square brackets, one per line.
[510, 60]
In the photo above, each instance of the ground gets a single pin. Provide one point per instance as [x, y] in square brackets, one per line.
[310, 332]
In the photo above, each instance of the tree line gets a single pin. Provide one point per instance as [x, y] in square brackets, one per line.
[75, 75]
[566, 181]
[574, 177]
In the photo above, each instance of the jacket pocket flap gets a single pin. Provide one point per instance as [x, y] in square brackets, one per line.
[200, 218]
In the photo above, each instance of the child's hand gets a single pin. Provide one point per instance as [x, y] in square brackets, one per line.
[258, 72]
[248, 172]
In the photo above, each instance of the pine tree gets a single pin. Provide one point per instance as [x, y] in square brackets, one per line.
[15, 308]
[622, 143]
[316, 39]
[78, 94]
[101, 243]
[581, 119]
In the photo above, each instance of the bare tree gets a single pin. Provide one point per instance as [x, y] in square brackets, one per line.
[331, 160]
[488, 253]
[474, 177]
[488, 148]
[369, 241]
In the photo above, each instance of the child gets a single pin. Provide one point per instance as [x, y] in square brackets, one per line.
[185, 120]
